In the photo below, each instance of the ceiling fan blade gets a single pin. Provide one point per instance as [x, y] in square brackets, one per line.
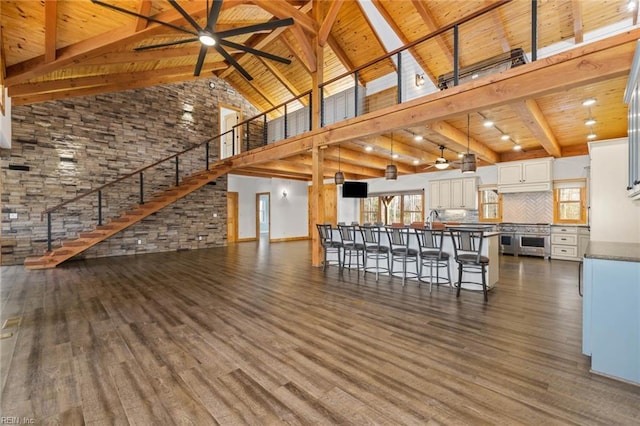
[148, 18]
[233, 62]
[186, 16]
[200, 62]
[255, 28]
[255, 51]
[212, 19]
[170, 43]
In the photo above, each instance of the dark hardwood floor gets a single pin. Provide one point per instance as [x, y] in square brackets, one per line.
[252, 334]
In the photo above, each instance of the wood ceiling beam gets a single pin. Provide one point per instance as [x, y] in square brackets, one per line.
[401, 149]
[268, 173]
[287, 166]
[102, 43]
[530, 113]
[297, 52]
[333, 166]
[144, 8]
[458, 141]
[268, 39]
[599, 61]
[358, 157]
[307, 50]
[329, 20]
[50, 29]
[340, 53]
[282, 9]
[123, 79]
[432, 25]
[125, 84]
[498, 28]
[291, 88]
[576, 12]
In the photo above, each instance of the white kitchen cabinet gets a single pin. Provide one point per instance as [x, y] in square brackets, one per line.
[453, 194]
[463, 194]
[440, 194]
[568, 242]
[525, 176]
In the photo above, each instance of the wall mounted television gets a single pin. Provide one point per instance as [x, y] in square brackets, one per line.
[355, 189]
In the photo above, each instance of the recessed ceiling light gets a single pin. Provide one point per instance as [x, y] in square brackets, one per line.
[589, 102]
[416, 161]
[591, 136]
[368, 149]
[505, 137]
[418, 138]
[394, 156]
[517, 147]
[590, 122]
[487, 123]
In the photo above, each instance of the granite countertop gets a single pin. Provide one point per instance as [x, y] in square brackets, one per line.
[607, 250]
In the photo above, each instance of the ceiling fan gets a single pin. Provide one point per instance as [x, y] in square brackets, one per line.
[210, 38]
[442, 163]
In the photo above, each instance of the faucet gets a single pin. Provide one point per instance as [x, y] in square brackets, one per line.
[433, 214]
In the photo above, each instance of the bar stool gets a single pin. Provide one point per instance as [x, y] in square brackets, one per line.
[399, 247]
[430, 243]
[328, 244]
[350, 245]
[374, 250]
[467, 245]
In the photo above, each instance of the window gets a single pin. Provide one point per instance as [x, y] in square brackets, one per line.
[370, 210]
[393, 208]
[569, 202]
[490, 205]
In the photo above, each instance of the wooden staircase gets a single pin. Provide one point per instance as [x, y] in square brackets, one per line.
[85, 240]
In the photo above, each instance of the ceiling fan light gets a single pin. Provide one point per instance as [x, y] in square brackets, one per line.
[339, 178]
[441, 165]
[391, 172]
[468, 163]
[206, 39]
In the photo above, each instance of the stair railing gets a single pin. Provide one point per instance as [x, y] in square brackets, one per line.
[152, 178]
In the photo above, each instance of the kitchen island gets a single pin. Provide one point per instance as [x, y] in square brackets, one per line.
[611, 309]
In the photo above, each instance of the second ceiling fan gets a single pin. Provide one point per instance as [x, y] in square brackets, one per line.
[208, 37]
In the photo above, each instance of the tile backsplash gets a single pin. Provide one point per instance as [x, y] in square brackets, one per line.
[528, 207]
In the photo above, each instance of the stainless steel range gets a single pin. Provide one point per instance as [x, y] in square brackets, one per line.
[530, 239]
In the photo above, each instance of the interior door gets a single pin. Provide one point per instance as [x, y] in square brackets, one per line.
[228, 139]
[232, 217]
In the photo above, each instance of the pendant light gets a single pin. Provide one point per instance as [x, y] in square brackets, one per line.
[468, 159]
[339, 176]
[391, 172]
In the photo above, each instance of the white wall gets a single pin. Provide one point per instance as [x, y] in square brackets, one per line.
[613, 216]
[289, 215]
[5, 123]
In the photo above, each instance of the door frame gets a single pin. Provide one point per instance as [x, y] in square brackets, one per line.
[238, 135]
[258, 195]
[232, 202]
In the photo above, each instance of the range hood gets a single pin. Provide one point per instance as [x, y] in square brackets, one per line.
[498, 63]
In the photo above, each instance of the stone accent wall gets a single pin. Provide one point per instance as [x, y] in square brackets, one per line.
[65, 148]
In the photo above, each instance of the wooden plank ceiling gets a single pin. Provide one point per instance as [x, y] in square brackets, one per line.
[58, 49]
